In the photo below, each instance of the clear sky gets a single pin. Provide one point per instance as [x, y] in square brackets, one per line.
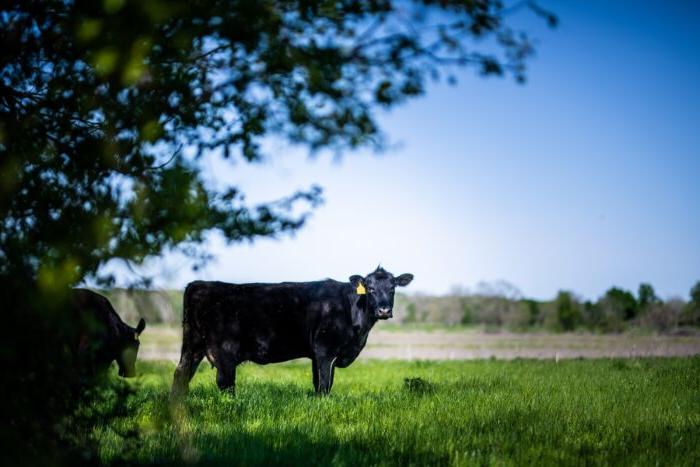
[586, 177]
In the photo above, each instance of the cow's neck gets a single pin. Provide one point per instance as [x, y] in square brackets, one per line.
[125, 332]
[362, 322]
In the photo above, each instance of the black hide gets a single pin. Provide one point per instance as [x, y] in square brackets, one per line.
[103, 336]
[326, 321]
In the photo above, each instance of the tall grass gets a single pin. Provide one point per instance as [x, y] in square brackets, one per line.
[644, 411]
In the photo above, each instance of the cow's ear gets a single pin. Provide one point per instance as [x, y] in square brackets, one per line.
[403, 280]
[356, 280]
[141, 326]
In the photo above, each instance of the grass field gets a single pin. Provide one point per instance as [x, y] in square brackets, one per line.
[574, 412]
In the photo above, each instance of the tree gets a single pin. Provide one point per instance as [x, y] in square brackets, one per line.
[664, 316]
[695, 294]
[567, 309]
[107, 108]
[622, 303]
[497, 303]
[615, 308]
[533, 311]
[691, 311]
[410, 316]
[646, 297]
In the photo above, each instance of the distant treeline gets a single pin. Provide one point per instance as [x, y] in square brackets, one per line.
[500, 305]
[494, 305]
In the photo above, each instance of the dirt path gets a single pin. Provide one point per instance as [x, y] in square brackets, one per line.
[163, 343]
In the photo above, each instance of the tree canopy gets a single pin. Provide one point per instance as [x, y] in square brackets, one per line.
[106, 108]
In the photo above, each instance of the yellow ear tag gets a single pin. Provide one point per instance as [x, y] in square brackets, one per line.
[361, 289]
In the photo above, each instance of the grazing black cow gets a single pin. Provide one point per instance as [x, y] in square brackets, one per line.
[104, 337]
[326, 321]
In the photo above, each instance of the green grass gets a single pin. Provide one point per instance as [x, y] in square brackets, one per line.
[641, 411]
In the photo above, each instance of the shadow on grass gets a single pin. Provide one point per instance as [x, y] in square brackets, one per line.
[207, 427]
[187, 443]
[501, 437]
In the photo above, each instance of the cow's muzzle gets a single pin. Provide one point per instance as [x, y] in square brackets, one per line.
[384, 313]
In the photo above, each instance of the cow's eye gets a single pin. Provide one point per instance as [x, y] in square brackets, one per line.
[370, 289]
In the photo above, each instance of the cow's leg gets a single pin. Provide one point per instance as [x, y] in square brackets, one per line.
[323, 373]
[189, 361]
[314, 371]
[226, 362]
[190, 357]
[332, 376]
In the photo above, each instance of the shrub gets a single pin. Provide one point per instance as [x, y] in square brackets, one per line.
[410, 316]
[663, 316]
[646, 296]
[691, 311]
[564, 312]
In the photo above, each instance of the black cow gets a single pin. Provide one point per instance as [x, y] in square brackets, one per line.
[326, 321]
[103, 336]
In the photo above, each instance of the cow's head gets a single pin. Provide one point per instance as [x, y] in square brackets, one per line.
[379, 287]
[129, 349]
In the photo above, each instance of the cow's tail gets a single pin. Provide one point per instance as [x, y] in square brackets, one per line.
[190, 320]
[192, 345]
[186, 302]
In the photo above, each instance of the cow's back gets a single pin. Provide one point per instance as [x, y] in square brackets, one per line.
[99, 326]
[264, 322]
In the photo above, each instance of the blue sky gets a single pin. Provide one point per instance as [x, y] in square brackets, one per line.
[586, 177]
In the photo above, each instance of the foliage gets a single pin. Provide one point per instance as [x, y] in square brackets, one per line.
[568, 315]
[663, 316]
[533, 311]
[691, 313]
[615, 311]
[107, 107]
[646, 296]
[410, 316]
[622, 303]
[422, 413]
[43, 378]
[616, 306]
